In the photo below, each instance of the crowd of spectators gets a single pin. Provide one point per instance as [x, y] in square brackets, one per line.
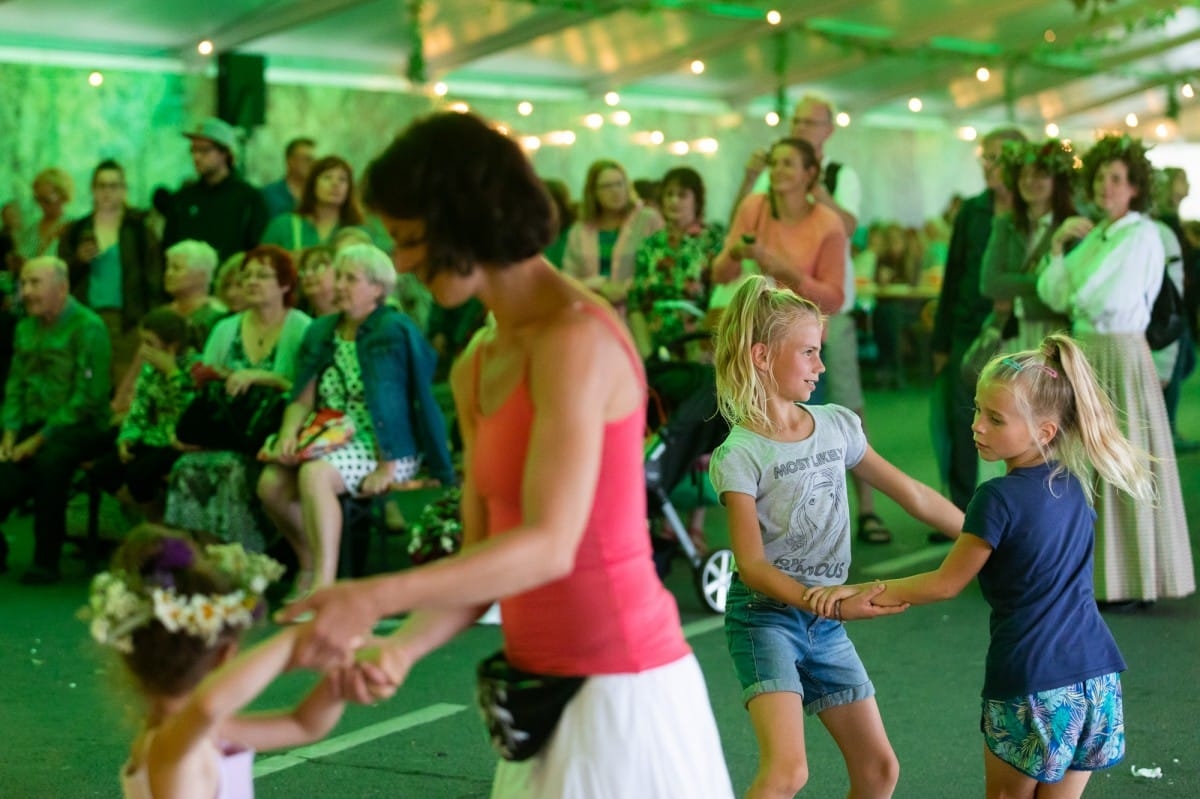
[221, 281]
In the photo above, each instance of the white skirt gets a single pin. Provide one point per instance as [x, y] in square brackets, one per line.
[650, 735]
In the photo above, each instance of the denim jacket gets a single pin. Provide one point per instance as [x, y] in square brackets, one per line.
[397, 370]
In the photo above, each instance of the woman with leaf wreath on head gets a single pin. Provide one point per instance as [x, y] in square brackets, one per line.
[1108, 284]
[1040, 176]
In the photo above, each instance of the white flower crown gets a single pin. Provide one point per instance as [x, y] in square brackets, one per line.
[115, 610]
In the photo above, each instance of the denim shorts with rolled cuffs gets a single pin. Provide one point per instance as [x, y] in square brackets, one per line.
[777, 647]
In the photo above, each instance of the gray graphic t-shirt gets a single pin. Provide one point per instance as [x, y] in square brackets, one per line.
[800, 490]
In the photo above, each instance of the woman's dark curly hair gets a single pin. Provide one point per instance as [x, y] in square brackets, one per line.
[472, 186]
[169, 663]
[1128, 151]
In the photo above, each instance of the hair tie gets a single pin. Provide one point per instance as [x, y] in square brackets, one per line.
[1018, 366]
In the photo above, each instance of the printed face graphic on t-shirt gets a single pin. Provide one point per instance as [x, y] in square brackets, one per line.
[814, 536]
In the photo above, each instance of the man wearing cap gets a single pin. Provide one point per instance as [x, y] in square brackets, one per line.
[219, 208]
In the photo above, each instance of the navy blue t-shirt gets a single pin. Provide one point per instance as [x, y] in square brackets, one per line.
[1046, 631]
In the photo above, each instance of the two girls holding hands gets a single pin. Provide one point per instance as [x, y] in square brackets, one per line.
[1052, 710]
[782, 476]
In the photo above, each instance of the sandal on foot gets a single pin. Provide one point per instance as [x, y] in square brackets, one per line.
[871, 529]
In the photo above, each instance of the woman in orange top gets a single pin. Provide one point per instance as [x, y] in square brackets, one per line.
[791, 238]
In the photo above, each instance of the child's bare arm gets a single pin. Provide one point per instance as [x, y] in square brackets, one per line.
[918, 500]
[224, 693]
[962, 564]
[311, 720]
[745, 537]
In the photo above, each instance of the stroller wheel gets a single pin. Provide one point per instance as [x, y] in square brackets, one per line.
[713, 578]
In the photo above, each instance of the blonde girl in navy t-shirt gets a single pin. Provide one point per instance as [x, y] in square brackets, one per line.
[781, 475]
[1052, 710]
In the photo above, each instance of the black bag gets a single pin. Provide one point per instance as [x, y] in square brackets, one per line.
[216, 421]
[520, 709]
[1167, 316]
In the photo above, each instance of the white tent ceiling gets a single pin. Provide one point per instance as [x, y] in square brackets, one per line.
[872, 56]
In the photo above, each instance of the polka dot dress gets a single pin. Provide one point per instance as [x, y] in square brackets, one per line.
[341, 388]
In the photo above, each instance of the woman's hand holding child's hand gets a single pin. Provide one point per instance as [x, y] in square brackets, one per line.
[344, 615]
[378, 670]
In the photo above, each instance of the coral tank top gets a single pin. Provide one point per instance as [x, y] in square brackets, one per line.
[611, 614]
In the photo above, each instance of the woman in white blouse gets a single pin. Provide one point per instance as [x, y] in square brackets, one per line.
[1107, 285]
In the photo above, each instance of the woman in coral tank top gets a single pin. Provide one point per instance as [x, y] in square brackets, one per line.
[551, 398]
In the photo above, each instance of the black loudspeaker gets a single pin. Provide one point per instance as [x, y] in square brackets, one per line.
[241, 90]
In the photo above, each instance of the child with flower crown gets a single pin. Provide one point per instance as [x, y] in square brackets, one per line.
[176, 615]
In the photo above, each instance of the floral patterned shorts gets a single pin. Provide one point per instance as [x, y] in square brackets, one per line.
[1080, 727]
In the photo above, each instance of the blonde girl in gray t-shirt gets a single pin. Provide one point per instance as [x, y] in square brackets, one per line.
[781, 475]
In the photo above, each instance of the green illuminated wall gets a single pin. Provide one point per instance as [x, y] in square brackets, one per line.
[51, 116]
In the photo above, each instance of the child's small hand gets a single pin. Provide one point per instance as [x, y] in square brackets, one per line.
[377, 672]
[824, 599]
[869, 602]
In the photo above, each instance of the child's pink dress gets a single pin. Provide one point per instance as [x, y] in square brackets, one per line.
[236, 775]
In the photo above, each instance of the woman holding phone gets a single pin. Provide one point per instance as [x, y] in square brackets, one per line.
[788, 236]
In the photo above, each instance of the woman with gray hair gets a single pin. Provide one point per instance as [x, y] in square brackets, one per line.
[369, 361]
[187, 280]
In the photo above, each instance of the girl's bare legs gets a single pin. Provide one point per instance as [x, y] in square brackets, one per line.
[857, 728]
[778, 720]
[280, 495]
[320, 486]
[1005, 782]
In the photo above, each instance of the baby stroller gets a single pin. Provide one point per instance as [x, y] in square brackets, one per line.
[686, 426]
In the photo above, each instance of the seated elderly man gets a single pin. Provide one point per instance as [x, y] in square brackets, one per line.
[55, 409]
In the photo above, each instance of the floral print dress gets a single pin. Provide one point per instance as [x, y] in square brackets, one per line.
[672, 270]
